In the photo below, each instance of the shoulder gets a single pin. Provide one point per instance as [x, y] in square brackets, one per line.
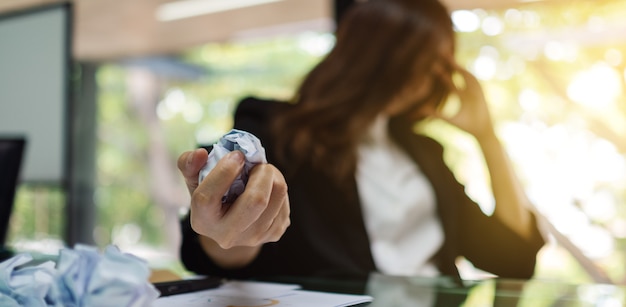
[426, 151]
[254, 115]
[402, 130]
[428, 143]
[258, 107]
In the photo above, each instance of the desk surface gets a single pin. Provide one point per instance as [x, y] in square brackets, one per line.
[392, 291]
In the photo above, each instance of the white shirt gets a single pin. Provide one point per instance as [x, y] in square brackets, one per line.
[399, 206]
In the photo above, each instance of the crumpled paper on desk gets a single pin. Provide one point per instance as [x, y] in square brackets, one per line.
[81, 277]
[243, 141]
[28, 286]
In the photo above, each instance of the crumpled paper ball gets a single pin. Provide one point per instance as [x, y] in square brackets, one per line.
[81, 277]
[245, 142]
[26, 286]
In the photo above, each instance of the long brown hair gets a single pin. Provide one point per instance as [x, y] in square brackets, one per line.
[380, 46]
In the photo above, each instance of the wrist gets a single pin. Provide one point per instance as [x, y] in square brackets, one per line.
[488, 139]
[234, 257]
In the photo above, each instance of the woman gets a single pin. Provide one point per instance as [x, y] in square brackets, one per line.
[366, 193]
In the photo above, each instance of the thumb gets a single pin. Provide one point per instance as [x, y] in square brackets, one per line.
[189, 163]
[219, 179]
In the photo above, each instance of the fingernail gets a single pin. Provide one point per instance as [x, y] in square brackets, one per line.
[236, 156]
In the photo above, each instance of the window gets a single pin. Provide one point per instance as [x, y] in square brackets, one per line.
[553, 73]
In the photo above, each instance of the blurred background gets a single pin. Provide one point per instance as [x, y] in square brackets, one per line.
[150, 79]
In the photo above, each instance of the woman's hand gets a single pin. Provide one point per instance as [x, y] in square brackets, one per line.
[473, 113]
[232, 234]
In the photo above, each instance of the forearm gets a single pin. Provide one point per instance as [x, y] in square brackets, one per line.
[512, 204]
[232, 258]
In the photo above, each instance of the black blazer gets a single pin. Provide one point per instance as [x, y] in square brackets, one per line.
[327, 236]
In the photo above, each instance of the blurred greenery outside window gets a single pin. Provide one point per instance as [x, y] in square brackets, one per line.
[553, 75]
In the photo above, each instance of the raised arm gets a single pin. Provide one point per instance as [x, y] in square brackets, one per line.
[512, 204]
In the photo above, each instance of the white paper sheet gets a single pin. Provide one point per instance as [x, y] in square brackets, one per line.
[260, 294]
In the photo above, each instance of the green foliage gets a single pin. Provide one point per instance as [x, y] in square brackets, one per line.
[38, 213]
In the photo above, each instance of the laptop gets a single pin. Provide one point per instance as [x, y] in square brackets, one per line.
[11, 153]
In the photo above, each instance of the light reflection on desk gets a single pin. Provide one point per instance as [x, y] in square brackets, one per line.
[426, 292]
[390, 291]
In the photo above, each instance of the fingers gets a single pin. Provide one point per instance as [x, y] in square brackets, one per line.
[281, 222]
[260, 203]
[207, 210]
[274, 220]
[189, 163]
[218, 181]
[259, 215]
[469, 82]
[443, 74]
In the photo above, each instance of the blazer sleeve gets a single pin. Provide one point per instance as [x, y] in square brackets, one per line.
[482, 239]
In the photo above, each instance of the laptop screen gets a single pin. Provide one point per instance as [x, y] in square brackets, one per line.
[11, 153]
